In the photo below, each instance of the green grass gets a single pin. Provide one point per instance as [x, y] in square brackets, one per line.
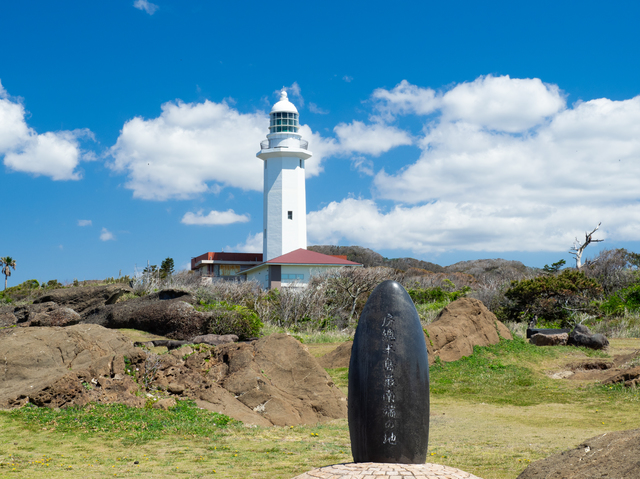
[510, 372]
[309, 335]
[130, 425]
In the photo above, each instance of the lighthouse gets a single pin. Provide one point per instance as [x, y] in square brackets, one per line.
[284, 153]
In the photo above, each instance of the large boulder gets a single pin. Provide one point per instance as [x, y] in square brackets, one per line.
[338, 358]
[582, 336]
[278, 378]
[173, 318]
[613, 454]
[549, 339]
[459, 327]
[37, 359]
[85, 298]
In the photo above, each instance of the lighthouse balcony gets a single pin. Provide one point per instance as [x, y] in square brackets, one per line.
[279, 143]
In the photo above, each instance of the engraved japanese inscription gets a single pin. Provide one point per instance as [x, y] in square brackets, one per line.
[389, 381]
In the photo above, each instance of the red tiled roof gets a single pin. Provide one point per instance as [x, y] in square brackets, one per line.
[304, 256]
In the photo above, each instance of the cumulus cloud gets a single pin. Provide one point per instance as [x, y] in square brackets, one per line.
[84, 223]
[194, 148]
[373, 139]
[106, 235]
[145, 5]
[53, 154]
[347, 78]
[214, 218]
[252, 245]
[505, 166]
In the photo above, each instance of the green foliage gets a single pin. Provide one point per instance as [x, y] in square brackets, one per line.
[625, 299]
[550, 297]
[506, 373]
[231, 319]
[19, 292]
[166, 268]
[555, 267]
[436, 295]
[135, 426]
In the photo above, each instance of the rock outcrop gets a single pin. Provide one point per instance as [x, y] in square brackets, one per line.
[271, 381]
[85, 298]
[48, 366]
[614, 454]
[459, 327]
[581, 336]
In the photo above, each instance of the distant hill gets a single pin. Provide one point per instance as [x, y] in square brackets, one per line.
[479, 268]
[370, 258]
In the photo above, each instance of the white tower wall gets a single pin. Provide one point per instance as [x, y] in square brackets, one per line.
[285, 206]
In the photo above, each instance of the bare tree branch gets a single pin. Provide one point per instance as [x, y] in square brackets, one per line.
[577, 249]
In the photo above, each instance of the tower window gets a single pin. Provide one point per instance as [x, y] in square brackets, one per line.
[290, 215]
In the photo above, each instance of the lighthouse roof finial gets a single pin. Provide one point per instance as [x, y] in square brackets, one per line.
[284, 104]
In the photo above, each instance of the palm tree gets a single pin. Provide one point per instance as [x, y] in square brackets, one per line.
[7, 263]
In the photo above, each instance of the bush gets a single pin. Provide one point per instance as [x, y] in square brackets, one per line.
[550, 298]
[232, 319]
[613, 269]
[436, 295]
[625, 299]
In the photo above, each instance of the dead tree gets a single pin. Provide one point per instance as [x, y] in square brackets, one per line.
[578, 248]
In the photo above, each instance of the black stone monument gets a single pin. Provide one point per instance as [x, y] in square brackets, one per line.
[389, 381]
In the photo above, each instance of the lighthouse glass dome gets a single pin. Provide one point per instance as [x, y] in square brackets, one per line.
[283, 122]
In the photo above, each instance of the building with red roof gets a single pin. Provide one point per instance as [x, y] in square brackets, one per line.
[294, 268]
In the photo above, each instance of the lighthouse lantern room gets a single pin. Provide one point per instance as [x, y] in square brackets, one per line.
[284, 153]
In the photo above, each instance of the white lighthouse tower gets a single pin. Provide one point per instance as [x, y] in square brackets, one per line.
[284, 153]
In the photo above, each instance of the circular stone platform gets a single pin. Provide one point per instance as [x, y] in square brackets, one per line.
[377, 470]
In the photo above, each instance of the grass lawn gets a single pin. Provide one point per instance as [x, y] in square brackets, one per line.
[491, 414]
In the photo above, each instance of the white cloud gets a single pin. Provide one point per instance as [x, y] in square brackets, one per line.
[84, 223]
[373, 139]
[106, 235]
[362, 165]
[145, 5]
[194, 148]
[347, 78]
[313, 108]
[252, 245]
[53, 154]
[502, 103]
[214, 218]
[505, 166]
[406, 98]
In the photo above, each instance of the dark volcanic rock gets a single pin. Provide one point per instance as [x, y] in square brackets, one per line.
[389, 381]
[172, 318]
[581, 336]
[85, 298]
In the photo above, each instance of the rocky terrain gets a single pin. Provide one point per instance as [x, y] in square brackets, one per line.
[271, 381]
[609, 455]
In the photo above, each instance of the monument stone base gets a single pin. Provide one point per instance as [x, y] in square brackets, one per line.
[378, 470]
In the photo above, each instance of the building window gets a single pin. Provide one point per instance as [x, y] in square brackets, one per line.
[290, 215]
[290, 278]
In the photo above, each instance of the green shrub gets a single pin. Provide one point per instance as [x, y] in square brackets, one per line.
[436, 295]
[624, 299]
[550, 298]
[231, 319]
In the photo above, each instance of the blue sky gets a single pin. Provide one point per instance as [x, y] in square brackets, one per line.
[443, 131]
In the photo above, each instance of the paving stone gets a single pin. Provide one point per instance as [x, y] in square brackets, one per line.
[368, 470]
